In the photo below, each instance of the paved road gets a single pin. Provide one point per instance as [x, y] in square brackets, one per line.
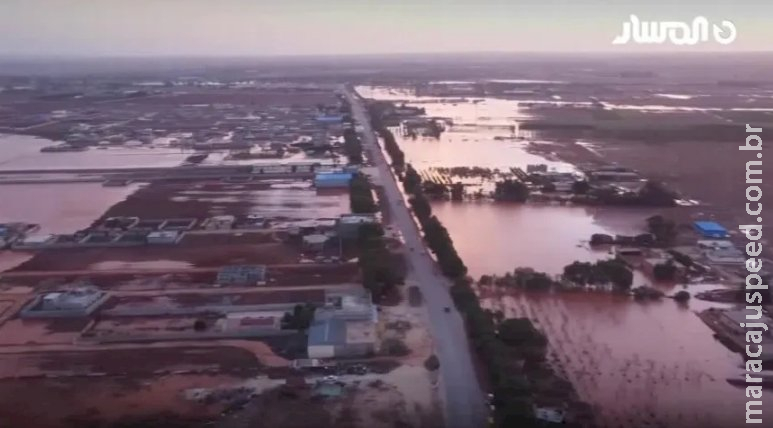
[464, 401]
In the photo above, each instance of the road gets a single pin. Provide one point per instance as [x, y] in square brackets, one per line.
[464, 401]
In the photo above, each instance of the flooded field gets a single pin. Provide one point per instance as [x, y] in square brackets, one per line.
[652, 364]
[22, 152]
[59, 208]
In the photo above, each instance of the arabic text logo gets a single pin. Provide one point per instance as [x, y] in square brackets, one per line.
[678, 33]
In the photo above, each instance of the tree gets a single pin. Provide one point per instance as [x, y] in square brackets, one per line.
[511, 190]
[663, 229]
[665, 271]
[432, 363]
[580, 187]
[199, 325]
[682, 296]
[655, 193]
[521, 332]
[300, 318]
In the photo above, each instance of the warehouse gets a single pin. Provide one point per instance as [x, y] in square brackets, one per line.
[332, 180]
[710, 229]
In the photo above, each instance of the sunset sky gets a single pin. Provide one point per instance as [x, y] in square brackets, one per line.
[299, 27]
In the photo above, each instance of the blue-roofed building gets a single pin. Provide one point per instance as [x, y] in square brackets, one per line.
[332, 179]
[330, 118]
[710, 229]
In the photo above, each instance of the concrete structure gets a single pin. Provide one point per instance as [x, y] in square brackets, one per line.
[348, 225]
[730, 256]
[332, 180]
[164, 237]
[345, 326]
[75, 302]
[250, 322]
[37, 240]
[710, 229]
[220, 222]
[315, 242]
[715, 244]
[242, 275]
[732, 319]
[330, 118]
[339, 338]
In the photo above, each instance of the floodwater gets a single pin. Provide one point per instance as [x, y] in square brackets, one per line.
[543, 237]
[21, 152]
[58, 208]
[650, 364]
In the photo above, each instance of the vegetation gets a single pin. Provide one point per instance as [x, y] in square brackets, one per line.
[652, 194]
[379, 275]
[432, 363]
[376, 111]
[511, 190]
[663, 229]
[352, 146]
[300, 318]
[199, 325]
[361, 199]
[580, 187]
[505, 347]
[665, 271]
[682, 296]
[613, 272]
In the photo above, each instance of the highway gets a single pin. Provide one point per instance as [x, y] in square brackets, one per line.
[464, 401]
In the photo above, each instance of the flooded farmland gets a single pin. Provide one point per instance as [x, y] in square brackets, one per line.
[638, 364]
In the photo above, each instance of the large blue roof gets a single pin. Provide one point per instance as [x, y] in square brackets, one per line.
[710, 226]
[333, 176]
[328, 332]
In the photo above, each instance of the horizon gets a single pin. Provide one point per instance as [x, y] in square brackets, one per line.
[149, 28]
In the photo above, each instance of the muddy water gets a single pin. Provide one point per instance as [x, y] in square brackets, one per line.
[59, 208]
[638, 364]
[21, 152]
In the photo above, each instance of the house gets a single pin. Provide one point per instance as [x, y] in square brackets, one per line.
[164, 237]
[332, 180]
[242, 275]
[710, 229]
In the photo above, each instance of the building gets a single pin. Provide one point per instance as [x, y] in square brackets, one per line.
[345, 326]
[732, 319]
[710, 229]
[246, 275]
[340, 338]
[256, 323]
[714, 244]
[348, 225]
[220, 222]
[315, 242]
[76, 302]
[330, 118]
[164, 237]
[332, 180]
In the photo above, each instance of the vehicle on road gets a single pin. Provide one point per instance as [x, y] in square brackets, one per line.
[447, 309]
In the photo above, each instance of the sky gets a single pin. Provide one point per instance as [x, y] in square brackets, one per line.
[335, 27]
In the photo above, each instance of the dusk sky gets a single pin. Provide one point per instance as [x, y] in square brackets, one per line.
[297, 27]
